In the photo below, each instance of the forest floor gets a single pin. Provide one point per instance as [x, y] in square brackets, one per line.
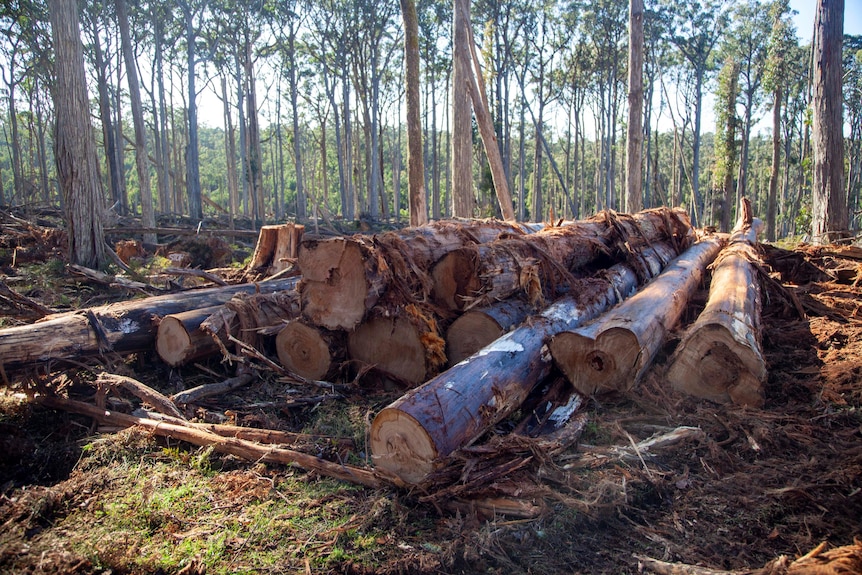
[756, 484]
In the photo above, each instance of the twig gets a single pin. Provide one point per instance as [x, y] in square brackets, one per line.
[24, 300]
[665, 568]
[207, 390]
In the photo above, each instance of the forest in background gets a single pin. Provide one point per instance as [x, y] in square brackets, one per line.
[312, 103]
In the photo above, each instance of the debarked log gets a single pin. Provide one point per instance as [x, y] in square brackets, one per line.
[413, 435]
[179, 339]
[613, 352]
[540, 265]
[720, 356]
[123, 327]
[344, 277]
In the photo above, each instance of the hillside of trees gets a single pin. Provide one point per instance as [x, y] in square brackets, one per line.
[311, 95]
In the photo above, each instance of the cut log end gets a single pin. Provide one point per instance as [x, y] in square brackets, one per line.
[334, 289]
[392, 345]
[713, 366]
[470, 333]
[600, 365]
[173, 342]
[455, 280]
[401, 446]
[302, 350]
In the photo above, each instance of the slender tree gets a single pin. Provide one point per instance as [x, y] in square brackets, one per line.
[415, 161]
[634, 156]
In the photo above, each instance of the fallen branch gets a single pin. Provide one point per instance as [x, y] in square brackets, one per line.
[145, 393]
[208, 390]
[247, 450]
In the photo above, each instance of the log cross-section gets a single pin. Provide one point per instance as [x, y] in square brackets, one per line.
[613, 352]
[720, 356]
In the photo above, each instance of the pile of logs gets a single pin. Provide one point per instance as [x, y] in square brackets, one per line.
[469, 316]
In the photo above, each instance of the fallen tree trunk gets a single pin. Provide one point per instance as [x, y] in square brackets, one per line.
[540, 265]
[613, 352]
[720, 357]
[404, 347]
[241, 448]
[248, 318]
[310, 352]
[413, 435]
[124, 327]
[343, 278]
[475, 329]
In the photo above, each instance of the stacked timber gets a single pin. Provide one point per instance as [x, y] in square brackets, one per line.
[344, 277]
[476, 328]
[540, 266]
[613, 352]
[411, 437]
[720, 356]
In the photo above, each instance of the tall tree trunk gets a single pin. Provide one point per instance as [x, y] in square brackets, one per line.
[301, 204]
[148, 216]
[114, 171]
[193, 178]
[230, 153]
[165, 178]
[772, 200]
[634, 141]
[695, 169]
[415, 162]
[461, 127]
[742, 180]
[74, 144]
[255, 158]
[829, 218]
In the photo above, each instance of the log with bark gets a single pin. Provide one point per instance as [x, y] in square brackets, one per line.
[541, 265]
[413, 435]
[475, 329]
[123, 327]
[179, 339]
[720, 356]
[343, 278]
[309, 351]
[613, 352]
[404, 347]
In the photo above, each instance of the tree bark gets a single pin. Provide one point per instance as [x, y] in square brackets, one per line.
[345, 277]
[125, 327]
[179, 339]
[148, 217]
[720, 357]
[829, 217]
[612, 353]
[74, 143]
[539, 265]
[634, 143]
[772, 200]
[461, 131]
[475, 329]
[310, 352]
[415, 161]
[413, 435]
[276, 247]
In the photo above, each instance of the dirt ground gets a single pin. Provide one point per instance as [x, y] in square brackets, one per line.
[754, 485]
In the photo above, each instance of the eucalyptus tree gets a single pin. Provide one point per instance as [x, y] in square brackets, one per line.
[853, 102]
[373, 47]
[695, 28]
[23, 45]
[604, 24]
[747, 38]
[829, 218]
[74, 143]
[782, 40]
[725, 137]
[635, 137]
[97, 32]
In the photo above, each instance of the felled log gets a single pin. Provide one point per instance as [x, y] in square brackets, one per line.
[475, 329]
[539, 264]
[179, 339]
[720, 356]
[310, 352]
[404, 347]
[123, 327]
[343, 278]
[613, 352]
[277, 246]
[413, 435]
